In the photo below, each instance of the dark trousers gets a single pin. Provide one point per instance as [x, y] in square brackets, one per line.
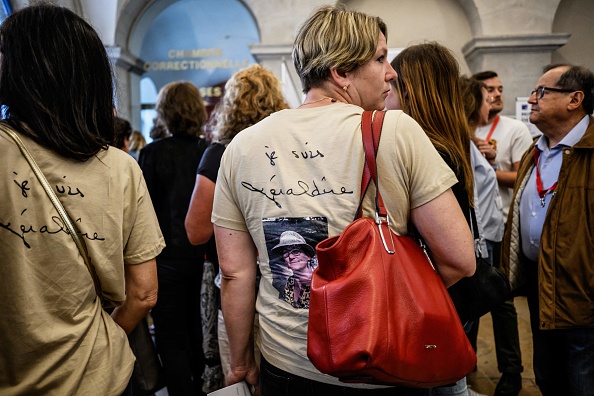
[276, 382]
[563, 359]
[178, 329]
[505, 326]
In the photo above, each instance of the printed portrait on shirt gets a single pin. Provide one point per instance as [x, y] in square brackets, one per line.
[291, 249]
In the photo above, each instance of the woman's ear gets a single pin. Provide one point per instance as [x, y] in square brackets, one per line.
[339, 77]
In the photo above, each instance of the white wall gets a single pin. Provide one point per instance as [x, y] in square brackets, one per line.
[576, 17]
[415, 21]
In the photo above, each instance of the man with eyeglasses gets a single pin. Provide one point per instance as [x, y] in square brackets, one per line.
[548, 249]
[510, 138]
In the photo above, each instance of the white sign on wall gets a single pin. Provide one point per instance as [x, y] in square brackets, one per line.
[523, 114]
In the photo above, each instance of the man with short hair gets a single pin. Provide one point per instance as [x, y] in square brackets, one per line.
[510, 138]
[548, 245]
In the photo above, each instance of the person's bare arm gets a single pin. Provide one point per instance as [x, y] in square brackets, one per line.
[237, 260]
[508, 178]
[141, 294]
[198, 225]
[447, 235]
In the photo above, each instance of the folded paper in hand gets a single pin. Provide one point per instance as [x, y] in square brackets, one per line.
[238, 389]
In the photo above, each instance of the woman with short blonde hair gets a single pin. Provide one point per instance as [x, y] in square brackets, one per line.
[299, 170]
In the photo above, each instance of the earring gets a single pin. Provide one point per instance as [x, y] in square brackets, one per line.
[345, 87]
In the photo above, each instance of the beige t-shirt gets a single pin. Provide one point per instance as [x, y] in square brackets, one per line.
[294, 179]
[55, 339]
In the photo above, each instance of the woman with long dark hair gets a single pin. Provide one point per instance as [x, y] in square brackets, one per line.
[56, 91]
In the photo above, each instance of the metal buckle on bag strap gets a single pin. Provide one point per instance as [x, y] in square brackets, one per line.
[424, 247]
[379, 221]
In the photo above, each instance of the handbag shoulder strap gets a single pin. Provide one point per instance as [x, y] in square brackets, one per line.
[371, 128]
[80, 243]
[371, 131]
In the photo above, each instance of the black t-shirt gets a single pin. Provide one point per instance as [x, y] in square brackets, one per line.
[211, 161]
[169, 168]
[209, 168]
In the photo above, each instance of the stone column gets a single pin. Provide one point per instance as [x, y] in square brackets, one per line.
[278, 59]
[128, 70]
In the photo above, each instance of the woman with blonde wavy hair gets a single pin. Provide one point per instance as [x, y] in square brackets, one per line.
[251, 95]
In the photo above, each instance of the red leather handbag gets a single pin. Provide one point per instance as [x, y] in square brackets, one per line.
[379, 312]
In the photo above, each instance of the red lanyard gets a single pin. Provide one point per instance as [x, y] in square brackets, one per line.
[488, 139]
[542, 192]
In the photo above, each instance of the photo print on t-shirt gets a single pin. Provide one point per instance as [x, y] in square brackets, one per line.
[291, 242]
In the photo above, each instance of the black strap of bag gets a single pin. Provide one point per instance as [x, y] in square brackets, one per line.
[475, 296]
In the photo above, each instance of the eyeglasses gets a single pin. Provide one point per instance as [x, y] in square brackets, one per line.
[292, 252]
[540, 91]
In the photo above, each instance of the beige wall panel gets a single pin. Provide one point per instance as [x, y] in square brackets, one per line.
[278, 20]
[415, 21]
[516, 16]
[576, 17]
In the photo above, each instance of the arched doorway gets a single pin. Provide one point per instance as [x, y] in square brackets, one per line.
[200, 41]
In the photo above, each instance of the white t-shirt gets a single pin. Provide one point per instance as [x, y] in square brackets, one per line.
[512, 139]
[294, 179]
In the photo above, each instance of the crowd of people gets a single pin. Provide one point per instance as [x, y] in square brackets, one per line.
[215, 236]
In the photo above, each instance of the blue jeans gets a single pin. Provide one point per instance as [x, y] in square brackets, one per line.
[564, 358]
[276, 382]
[458, 389]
